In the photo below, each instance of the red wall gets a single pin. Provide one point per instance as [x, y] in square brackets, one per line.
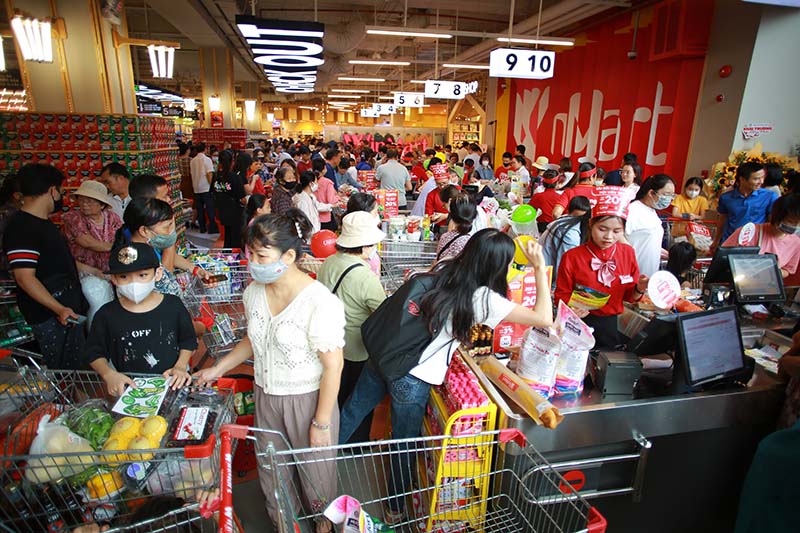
[602, 104]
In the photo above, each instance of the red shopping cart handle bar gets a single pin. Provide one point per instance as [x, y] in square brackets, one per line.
[508, 435]
[200, 451]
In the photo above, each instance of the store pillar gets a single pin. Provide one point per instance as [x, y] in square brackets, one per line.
[88, 74]
[216, 77]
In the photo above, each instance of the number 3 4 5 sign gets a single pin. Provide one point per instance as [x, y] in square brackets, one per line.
[516, 63]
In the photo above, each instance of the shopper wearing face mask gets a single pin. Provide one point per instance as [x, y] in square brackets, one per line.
[690, 205]
[779, 236]
[644, 230]
[46, 273]
[295, 336]
[151, 221]
[282, 193]
[143, 331]
[306, 201]
[348, 276]
[485, 172]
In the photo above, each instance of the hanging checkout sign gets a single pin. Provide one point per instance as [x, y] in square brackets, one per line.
[516, 63]
[450, 90]
[384, 109]
[409, 99]
[368, 112]
[289, 51]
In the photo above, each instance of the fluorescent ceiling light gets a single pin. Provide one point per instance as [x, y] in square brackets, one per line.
[307, 107]
[344, 96]
[460, 65]
[2, 56]
[554, 41]
[348, 78]
[421, 82]
[348, 91]
[189, 104]
[371, 62]
[34, 37]
[432, 34]
[250, 109]
[386, 98]
[162, 60]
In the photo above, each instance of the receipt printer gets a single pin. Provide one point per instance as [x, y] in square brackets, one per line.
[617, 372]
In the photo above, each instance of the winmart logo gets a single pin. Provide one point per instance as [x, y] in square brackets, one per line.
[290, 51]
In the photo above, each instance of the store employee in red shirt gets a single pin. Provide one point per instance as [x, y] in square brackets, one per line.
[434, 207]
[546, 201]
[603, 264]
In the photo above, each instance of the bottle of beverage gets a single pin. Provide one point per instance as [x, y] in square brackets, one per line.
[15, 508]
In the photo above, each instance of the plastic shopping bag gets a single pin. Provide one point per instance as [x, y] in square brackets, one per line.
[98, 292]
[538, 360]
[576, 341]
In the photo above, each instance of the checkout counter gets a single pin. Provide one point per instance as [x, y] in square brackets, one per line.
[668, 463]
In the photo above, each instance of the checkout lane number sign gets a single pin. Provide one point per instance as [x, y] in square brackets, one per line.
[516, 63]
[409, 99]
[450, 90]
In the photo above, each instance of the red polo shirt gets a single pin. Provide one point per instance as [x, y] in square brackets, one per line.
[433, 204]
[501, 173]
[418, 174]
[545, 201]
[575, 269]
[302, 166]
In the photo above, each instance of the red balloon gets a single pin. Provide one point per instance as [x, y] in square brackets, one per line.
[323, 244]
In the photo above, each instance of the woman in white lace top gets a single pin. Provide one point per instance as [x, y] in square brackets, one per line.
[295, 334]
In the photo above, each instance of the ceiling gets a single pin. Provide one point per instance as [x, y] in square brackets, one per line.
[210, 23]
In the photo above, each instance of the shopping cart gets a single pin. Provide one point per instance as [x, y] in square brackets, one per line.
[13, 328]
[47, 492]
[399, 259]
[536, 499]
[700, 233]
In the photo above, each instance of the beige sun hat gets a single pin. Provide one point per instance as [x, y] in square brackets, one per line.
[541, 162]
[94, 190]
[359, 229]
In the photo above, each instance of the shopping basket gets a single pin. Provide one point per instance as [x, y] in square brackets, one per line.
[46, 492]
[532, 497]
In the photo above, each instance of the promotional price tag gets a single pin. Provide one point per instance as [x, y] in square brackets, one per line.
[451, 90]
[409, 99]
[664, 289]
[384, 109]
[369, 112]
[515, 63]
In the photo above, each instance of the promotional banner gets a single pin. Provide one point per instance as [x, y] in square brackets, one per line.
[603, 102]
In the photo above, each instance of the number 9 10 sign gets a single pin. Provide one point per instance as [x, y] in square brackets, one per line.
[516, 63]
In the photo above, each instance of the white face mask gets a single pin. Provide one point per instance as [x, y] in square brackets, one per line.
[485, 163]
[137, 291]
[314, 187]
[692, 194]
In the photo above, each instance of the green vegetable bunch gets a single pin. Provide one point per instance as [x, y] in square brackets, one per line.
[91, 423]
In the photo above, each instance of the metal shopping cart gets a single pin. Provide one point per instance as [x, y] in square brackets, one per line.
[55, 491]
[13, 328]
[399, 259]
[536, 499]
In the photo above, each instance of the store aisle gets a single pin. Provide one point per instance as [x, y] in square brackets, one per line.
[249, 505]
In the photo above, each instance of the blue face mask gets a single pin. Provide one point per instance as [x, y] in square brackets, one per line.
[161, 242]
[789, 230]
[269, 273]
[663, 201]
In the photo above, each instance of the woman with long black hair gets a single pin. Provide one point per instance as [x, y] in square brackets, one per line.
[229, 195]
[566, 233]
[468, 290]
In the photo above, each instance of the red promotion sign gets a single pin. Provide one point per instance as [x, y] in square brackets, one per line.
[217, 120]
[698, 229]
[388, 203]
[601, 105]
[367, 179]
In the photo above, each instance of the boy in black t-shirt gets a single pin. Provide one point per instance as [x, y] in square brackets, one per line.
[144, 331]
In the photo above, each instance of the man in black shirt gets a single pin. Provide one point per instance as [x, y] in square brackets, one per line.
[143, 332]
[38, 255]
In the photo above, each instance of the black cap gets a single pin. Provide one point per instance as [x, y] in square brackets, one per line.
[132, 257]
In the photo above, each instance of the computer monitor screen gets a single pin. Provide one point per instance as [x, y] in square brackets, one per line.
[656, 337]
[719, 271]
[710, 345]
[757, 278]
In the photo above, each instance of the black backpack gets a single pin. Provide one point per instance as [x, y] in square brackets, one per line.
[395, 335]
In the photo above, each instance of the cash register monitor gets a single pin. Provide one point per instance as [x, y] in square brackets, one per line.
[719, 271]
[757, 279]
[709, 347]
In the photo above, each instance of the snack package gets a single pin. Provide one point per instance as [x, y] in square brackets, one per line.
[699, 237]
[576, 341]
[538, 360]
[521, 290]
[588, 298]
[538, 408]
[347, 511]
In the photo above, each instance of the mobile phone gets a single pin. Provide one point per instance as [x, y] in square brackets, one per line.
[215, 279]
[76, 321]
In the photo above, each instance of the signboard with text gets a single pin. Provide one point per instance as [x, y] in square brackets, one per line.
[450, 90]
[528, 64]
[409, 99]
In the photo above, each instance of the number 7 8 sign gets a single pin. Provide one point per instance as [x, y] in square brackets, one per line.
[516, 63]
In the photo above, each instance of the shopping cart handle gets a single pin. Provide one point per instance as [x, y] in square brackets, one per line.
[207, 510]
[507, 435]
[236, 431]
[201, 451]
